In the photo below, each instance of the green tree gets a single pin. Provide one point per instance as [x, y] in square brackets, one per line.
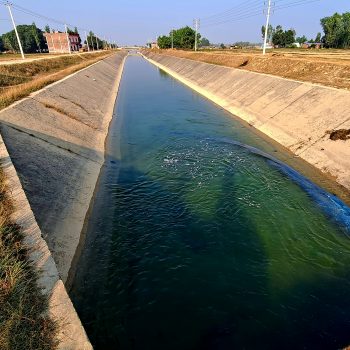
[337, 30]
[184, 38]
[283, 38]
[289, 37]
[38, 36]
[47, 29]
[318, 38]
[1, 45]
[301, 39]
[93, 41]
[278, 36]
[164, 42]
[270, 32]
[222, 46]
[204, 42]
[31, 38]
[70, 31]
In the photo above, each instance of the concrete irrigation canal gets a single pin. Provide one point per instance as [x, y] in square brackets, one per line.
[200, 237]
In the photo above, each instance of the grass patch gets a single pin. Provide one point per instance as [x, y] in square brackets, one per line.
[9, 79]
[38, 74]
[24, 323]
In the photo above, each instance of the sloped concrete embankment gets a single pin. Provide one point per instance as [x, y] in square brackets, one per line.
[297, 115]
[52, 154]
[55, 139]
[70, 334]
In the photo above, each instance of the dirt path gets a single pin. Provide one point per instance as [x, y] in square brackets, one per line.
[15, 59]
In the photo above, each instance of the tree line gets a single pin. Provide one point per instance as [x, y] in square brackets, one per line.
[182, 38]
[336, 29]
[336, 34]
[33, 40]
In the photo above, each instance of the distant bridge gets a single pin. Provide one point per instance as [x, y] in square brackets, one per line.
[131, 47]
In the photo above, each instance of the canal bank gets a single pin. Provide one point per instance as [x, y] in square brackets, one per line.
[299, 116]
[52, 151]
[199, 239]
[55, 139]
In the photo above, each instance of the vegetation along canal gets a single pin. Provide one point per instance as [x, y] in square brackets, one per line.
[198, 239]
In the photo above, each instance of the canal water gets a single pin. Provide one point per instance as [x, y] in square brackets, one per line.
[200, 239]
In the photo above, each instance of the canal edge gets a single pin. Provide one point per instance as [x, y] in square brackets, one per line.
[330, 172]
[71, 333]
[80, 247]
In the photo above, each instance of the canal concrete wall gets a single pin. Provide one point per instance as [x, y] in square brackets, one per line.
[55, 139]
[298, 115]
[70, 332]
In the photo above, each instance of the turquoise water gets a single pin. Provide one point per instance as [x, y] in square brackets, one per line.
[199, 239]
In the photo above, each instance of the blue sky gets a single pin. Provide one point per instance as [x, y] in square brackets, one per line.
[136, 21]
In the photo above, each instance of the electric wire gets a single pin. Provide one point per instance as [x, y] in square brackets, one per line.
[240, 9]
[43, 17]
[248, 14]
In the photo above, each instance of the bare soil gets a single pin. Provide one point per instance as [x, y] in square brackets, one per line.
[325, 67]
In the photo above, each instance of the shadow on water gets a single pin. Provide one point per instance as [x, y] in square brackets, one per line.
[127, 289]
[168, 285]
[203, 244]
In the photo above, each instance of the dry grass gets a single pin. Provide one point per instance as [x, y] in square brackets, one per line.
[330, 68]
[37, 74]
[24, 324]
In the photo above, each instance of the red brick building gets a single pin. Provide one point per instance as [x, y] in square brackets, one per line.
[57, 42]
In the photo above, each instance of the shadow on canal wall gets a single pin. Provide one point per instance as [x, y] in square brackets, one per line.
[298, 115]
[55, 139]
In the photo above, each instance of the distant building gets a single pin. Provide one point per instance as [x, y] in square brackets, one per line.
[153, 45]
[312, 45]
[268, 46]
[57, 42]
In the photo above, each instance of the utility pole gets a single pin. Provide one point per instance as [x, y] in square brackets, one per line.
[87, 41]
[196, 27]
[267, 25]
[15, 28]
[172, 39]
[97, 43]
[68, 43]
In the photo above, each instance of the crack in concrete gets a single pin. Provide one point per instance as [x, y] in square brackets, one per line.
[63, 112]
[75, 103]
[52, 144]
